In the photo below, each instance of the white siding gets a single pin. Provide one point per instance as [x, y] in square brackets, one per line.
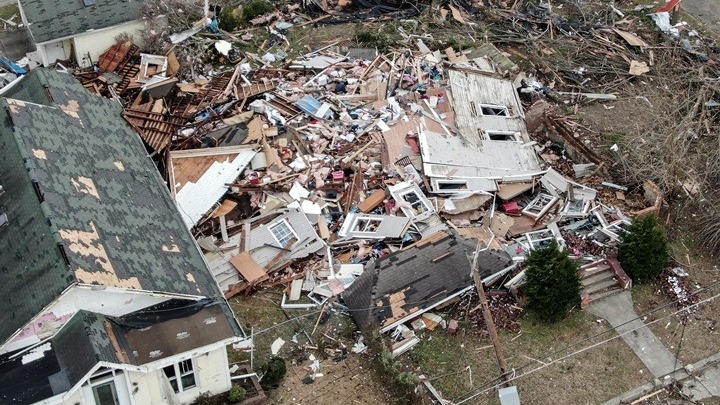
[95, 43]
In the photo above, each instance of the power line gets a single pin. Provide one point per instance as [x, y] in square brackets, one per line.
[611, 329]
[584, 349]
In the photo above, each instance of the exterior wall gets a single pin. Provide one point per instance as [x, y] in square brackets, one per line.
[53, 51]
[94, 43]
[106, 301]
[153, 388]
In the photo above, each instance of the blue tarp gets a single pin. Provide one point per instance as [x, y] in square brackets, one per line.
[11, 66]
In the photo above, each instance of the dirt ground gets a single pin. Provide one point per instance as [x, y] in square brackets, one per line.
[457, 363]
[347, 377]
[349, 381]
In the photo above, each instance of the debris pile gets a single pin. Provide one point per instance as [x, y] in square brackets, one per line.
[315, 171]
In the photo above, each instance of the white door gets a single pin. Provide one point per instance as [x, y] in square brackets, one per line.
[55, 51]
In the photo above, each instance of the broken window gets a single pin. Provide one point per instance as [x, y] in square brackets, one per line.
[576, 208]
[496, 110]
[367, 225]
[181, 375]
[503, 136]
[452, 185]
[540, 205]
[415, 201]
[283, 233]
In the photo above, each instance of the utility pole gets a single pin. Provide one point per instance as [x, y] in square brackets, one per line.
[489, 322]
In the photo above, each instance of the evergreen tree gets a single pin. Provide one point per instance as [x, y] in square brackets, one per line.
[644, 251]
[553, 283]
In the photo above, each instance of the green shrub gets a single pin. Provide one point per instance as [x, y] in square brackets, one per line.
[256, 8]
[644, 251]
[231, 18]
[274, 372]
[372, 38]
[236, 394]
[553, 283]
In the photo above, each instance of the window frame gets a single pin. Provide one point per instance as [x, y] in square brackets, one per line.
[426, 208]
[505, 110]
[178, 377]
[441, 182]
[368, 220]
[513, 134]
[289, 227]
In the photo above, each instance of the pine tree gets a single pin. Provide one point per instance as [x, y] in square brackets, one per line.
[644, 251]
[553, 283]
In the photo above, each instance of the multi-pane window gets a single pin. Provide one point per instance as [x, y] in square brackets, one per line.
[181, 375]
[282, 232]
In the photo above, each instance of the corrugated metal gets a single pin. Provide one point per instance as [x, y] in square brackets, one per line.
[195, 199]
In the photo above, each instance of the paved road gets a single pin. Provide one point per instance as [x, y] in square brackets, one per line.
[707, 11]
[618, 310]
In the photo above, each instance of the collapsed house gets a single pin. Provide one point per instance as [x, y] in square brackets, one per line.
[111, 297]
[403, 285]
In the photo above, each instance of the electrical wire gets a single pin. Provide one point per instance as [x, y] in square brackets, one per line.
[584, 349]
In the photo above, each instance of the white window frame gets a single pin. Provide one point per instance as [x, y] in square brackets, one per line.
[368, 219]
[451, 190]
[101, 377]
[426, 207]
[514, 135]
[179, 376]
[505, 110]
[277, 224]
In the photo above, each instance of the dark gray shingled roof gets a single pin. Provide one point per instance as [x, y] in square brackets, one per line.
[55, 19]
[103, 202]
[412, 279]
[167, 329]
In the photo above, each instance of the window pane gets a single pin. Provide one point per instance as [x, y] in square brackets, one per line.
[169, 371]
[185, 366]
[174, 385]
[188, 381]
[105, 394]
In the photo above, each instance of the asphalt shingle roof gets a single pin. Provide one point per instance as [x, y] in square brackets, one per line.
[103, 201]
[55, 19]
[412, 279]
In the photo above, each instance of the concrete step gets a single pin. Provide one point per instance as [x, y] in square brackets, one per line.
[598, 287]
[594, 270]
[604, 294]
[597, 278]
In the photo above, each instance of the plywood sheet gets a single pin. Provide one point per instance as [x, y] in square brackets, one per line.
[248, 267]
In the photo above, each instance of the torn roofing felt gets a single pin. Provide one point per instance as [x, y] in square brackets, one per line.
[417, 277]
[53, 19]
[151, 334]
[84, 203]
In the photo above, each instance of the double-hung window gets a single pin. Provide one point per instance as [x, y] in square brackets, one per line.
[181, 375]
[282, 232]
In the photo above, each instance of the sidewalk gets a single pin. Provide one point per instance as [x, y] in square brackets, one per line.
[619, 312]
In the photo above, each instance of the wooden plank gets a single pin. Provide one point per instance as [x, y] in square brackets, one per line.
[248, 267]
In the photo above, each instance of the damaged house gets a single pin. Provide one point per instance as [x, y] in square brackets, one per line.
[80, 30]
[403, 285]
[110, 299]
[492, 145]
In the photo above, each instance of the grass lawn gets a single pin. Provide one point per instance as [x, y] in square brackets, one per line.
[588, 378]
[6, 12]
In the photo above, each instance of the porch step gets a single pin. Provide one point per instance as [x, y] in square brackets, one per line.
[600, 286]
[591, 271]
[604, 294]
[597, 278]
